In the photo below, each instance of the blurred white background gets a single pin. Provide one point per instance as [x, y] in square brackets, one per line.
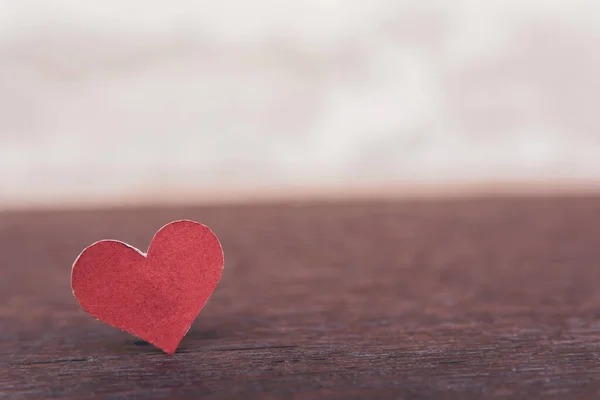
[132, 99]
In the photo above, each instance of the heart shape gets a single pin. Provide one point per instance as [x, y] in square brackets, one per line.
[154, 296]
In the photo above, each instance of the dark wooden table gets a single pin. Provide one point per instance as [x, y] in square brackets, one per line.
[456, 299]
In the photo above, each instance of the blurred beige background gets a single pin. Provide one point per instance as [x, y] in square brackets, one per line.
[170, 100]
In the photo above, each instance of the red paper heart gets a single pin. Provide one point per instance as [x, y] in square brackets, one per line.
[157, 296]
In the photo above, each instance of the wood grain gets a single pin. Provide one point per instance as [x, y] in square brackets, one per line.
[460, 299]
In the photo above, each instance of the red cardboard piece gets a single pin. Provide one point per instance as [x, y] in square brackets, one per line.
[157, 296]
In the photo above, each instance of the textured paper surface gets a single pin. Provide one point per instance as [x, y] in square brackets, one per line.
[154, 296]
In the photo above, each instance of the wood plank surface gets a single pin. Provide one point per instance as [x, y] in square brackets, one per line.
[493, 298]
